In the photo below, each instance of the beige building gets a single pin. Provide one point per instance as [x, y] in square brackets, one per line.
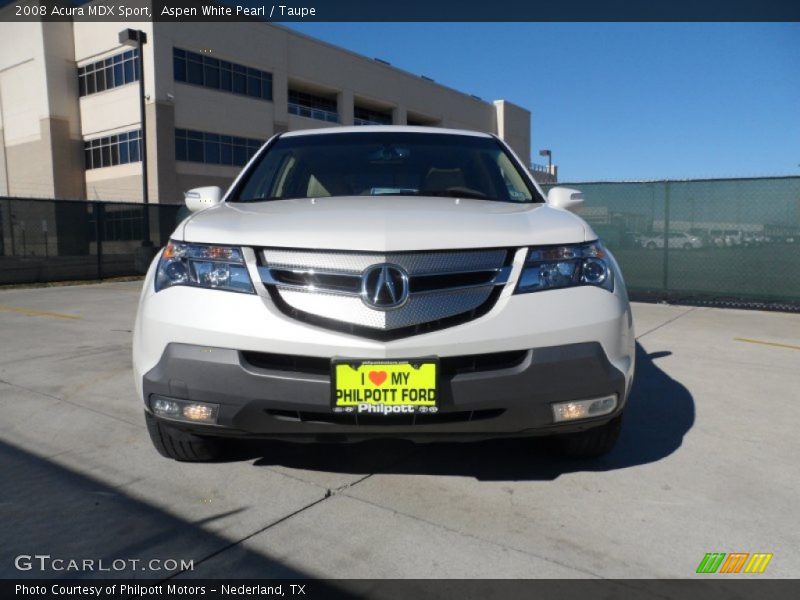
[69, 104]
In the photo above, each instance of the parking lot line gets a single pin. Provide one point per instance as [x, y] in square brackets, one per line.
[32, 312]
[763, 343]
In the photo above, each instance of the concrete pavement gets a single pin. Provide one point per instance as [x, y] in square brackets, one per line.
[706, 462]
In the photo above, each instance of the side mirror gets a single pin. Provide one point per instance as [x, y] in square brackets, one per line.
[202, 197]
[564, 198]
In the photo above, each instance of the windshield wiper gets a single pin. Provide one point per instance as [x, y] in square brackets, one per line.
[457, 193]
[446, 193]
[267, 198]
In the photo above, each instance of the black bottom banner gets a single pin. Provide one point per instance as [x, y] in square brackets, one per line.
[550, 589]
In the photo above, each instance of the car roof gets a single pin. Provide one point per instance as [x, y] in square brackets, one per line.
[384, 129]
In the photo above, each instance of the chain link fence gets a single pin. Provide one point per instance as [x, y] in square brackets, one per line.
[63, 240]
[727, 242]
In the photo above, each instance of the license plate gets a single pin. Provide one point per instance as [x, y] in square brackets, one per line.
[384, 387]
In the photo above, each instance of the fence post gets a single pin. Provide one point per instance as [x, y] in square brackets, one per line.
[11, 225]
[98, 235]
[665, 265]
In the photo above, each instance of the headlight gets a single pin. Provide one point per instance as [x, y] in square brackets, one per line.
[197, 265]
[553, 267]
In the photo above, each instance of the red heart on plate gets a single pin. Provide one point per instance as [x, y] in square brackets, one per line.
[377, 377]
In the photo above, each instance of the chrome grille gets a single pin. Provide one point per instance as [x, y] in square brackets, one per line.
[415, 263]
[419, 309]
[327, 285]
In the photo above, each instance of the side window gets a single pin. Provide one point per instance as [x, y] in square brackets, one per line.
[517, 190]
[284, 177]
[266, 184]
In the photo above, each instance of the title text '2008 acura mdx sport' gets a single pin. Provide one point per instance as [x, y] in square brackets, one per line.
[400, 282]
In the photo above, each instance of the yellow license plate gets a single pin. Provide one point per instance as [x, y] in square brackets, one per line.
[385, 386]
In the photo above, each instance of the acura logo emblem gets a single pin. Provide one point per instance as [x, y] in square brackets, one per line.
[384, 286]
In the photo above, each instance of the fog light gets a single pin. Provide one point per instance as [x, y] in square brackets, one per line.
[182, 410]
[584, 409]
[200, 412]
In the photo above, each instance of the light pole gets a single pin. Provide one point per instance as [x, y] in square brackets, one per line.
[549, 155]
[137, 39]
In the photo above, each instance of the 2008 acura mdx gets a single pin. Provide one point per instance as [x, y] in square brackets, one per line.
[383, 281]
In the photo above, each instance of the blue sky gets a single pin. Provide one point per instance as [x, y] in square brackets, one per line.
[618, 101]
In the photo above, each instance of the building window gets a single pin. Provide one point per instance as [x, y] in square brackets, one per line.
[312, 106]
[108, 73]
[422, 121]
[214, 149]
[366, 116]
[215, 74]
[118, 149]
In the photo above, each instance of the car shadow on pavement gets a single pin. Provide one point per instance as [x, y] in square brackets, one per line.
[59, 515]
[660, 412]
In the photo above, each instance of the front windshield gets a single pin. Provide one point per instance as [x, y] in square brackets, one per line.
[386, 163]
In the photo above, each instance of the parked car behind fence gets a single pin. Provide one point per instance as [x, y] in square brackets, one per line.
[677, 240]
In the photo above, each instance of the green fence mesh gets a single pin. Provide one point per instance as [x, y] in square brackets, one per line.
[723, 240]
[59, 240]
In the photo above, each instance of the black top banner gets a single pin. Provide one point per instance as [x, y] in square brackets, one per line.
[402, 11]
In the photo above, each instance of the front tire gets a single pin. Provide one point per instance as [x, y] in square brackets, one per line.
[592, 442]
[180, 445]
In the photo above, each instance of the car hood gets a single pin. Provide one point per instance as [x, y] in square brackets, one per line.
[387, 223]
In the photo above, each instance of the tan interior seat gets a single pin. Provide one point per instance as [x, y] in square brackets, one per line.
[442, 179]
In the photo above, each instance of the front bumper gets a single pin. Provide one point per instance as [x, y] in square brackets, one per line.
[510, 397]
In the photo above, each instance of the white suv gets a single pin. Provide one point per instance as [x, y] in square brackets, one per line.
[383, 281]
